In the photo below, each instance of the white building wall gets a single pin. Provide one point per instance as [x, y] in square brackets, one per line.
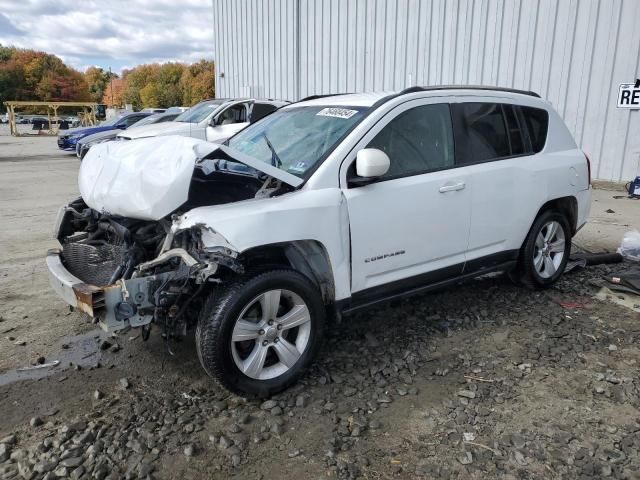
[574, 53]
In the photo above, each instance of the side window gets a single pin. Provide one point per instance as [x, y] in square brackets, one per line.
[537, 122]
[481, 132]
[417, 141]
[261, 110]
[516, 138]
[233, 114]
[131, 120]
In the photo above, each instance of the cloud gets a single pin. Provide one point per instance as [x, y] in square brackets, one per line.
[8, 29]
[116, 32]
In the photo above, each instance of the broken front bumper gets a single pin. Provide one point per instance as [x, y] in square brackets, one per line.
[74, 291]
[123, 304]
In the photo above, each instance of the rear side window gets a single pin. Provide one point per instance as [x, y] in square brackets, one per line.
[516, 137]
[537, 122]
[481, 133]
[261, 110]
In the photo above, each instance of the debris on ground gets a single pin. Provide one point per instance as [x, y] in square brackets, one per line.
[630, 246]
[39, 365]
[484, 380]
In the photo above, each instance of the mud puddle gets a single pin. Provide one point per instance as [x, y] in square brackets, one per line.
[82, 350]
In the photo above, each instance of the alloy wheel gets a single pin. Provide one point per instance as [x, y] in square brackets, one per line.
[549, 249]
[271, 334]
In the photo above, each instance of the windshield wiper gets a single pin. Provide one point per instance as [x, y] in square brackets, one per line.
[275, 159]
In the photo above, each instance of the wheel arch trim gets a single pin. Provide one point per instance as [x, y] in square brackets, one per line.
[309, 257]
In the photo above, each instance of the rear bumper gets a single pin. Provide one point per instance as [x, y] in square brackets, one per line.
[583, 198]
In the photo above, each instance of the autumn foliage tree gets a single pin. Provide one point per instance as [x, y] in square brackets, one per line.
[113, 95]
[38, 76]
[197, 82]
[98, 79]
[168, 84]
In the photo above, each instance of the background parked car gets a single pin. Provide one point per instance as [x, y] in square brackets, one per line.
[84, 144]
[177, 109]
[210, 120]
[67, 141]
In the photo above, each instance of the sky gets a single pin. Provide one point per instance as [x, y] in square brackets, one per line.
[110, 33]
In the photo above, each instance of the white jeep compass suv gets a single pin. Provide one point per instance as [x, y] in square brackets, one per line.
[324, 207]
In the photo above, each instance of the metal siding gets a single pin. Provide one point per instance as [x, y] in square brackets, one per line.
[575, 53]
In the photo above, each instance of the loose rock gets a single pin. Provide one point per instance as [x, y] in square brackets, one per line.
[466, 394]
[36, 422]
[466, 458]
[189, 450]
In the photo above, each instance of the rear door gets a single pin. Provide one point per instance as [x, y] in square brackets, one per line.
[411, 227]
[505, 181]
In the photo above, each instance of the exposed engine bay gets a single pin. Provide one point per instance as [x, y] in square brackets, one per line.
[148, 270]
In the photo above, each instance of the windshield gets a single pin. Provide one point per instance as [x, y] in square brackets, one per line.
[295, 139]
[113, 121]
[148, 120]
[198, 112]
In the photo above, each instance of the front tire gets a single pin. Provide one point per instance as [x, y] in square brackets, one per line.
[257, 335]
[545, 252]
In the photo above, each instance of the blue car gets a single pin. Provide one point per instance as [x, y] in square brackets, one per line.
[67, 140]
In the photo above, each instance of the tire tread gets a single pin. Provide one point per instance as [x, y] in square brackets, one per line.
[215, 312]
[524, 273]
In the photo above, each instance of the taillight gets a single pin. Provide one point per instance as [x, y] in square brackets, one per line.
[588, 166]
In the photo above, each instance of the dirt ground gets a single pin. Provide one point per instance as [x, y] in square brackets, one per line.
[484, 380]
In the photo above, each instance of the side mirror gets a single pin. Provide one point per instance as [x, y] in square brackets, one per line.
[121, 126]
[372, 163]
[213, 122]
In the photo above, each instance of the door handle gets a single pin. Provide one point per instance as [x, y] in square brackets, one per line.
[452, 187]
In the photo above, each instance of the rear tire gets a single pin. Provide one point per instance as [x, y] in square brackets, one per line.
[257, 336]
[545, 252]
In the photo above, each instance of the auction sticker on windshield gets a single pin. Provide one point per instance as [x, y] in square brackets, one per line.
[336, 112]
[629, 95]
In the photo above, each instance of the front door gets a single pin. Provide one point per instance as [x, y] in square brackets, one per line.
[411, 227]
[228, 122]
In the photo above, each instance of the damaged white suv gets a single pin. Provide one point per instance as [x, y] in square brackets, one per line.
[322, 208]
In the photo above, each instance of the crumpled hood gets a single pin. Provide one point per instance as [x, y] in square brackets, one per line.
[147, 179]
[150, 178]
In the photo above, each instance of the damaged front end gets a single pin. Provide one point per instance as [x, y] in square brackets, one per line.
[127, 273]
[124, 259]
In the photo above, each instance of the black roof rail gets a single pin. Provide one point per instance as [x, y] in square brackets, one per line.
[314, 97]
[468, 87]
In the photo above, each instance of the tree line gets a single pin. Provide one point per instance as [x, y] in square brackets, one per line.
[31, 75]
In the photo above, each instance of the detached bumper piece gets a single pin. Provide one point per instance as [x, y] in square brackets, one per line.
[123, 304]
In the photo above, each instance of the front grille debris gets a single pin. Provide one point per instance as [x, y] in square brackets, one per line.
[93, 264]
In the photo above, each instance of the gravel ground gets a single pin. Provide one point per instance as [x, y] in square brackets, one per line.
[483, 380]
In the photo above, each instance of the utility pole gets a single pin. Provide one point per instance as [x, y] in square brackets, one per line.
[111, 85]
